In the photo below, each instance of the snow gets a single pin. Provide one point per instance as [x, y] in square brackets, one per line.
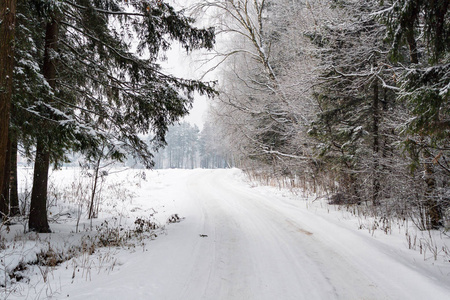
[236, 240]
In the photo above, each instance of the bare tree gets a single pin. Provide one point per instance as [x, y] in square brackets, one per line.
[267, 82]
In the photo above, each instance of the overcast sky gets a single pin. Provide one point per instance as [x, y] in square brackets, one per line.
[187, 66]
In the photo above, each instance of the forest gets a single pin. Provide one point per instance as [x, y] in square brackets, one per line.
[188, 148]
[348, 98]
[73, 80]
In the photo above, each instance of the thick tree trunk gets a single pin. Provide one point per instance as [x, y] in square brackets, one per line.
[7, 28]
[38, 207]
[413, 55]
[13, 192]
[433, 207]
[51, 45]
[4, 196]
[410, 36]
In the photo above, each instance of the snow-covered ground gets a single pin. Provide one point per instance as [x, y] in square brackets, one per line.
[236, 240]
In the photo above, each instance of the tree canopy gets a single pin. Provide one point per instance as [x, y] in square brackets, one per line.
[88, 79]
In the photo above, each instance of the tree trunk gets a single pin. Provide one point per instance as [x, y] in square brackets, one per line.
[413, 55]
[4, 196]
[433, 207]
[376, 145]
[410, 36]
[7, 28]
[94, 189]
[13, 193]
[38, 207]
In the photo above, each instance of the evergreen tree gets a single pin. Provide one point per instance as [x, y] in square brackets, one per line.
[14, 209]
[419, 32]
[349, 125]
[7, 30]
[97, 91]
[181, 150]
[213, 148]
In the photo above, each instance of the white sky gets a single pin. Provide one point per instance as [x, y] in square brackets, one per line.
[182, 65]
[188, 66]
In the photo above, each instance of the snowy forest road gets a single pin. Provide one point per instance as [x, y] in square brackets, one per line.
[238, 243]
[260, 247]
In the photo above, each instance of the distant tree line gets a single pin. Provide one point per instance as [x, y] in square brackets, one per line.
[351, 97]
[72, 80]
[188, 148]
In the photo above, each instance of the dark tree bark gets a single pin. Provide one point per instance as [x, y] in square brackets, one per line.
[376, 144]
[408, 22]
[38, 206]
[412, 44]
[432, 206]
[4, 196]
[13, 192]
[9, 199]
[94, 188]
[7, 29]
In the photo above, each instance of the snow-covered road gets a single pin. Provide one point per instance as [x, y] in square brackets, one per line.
[237, 242]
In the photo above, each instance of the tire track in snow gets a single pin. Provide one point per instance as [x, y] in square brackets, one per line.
[261, 254]
[259, 246]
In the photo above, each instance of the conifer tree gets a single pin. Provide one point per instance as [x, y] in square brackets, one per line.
[7, 30]
[98, 90]
[349, 125]
[419, 32]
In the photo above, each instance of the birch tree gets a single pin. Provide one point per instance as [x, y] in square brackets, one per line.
[266, 101]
